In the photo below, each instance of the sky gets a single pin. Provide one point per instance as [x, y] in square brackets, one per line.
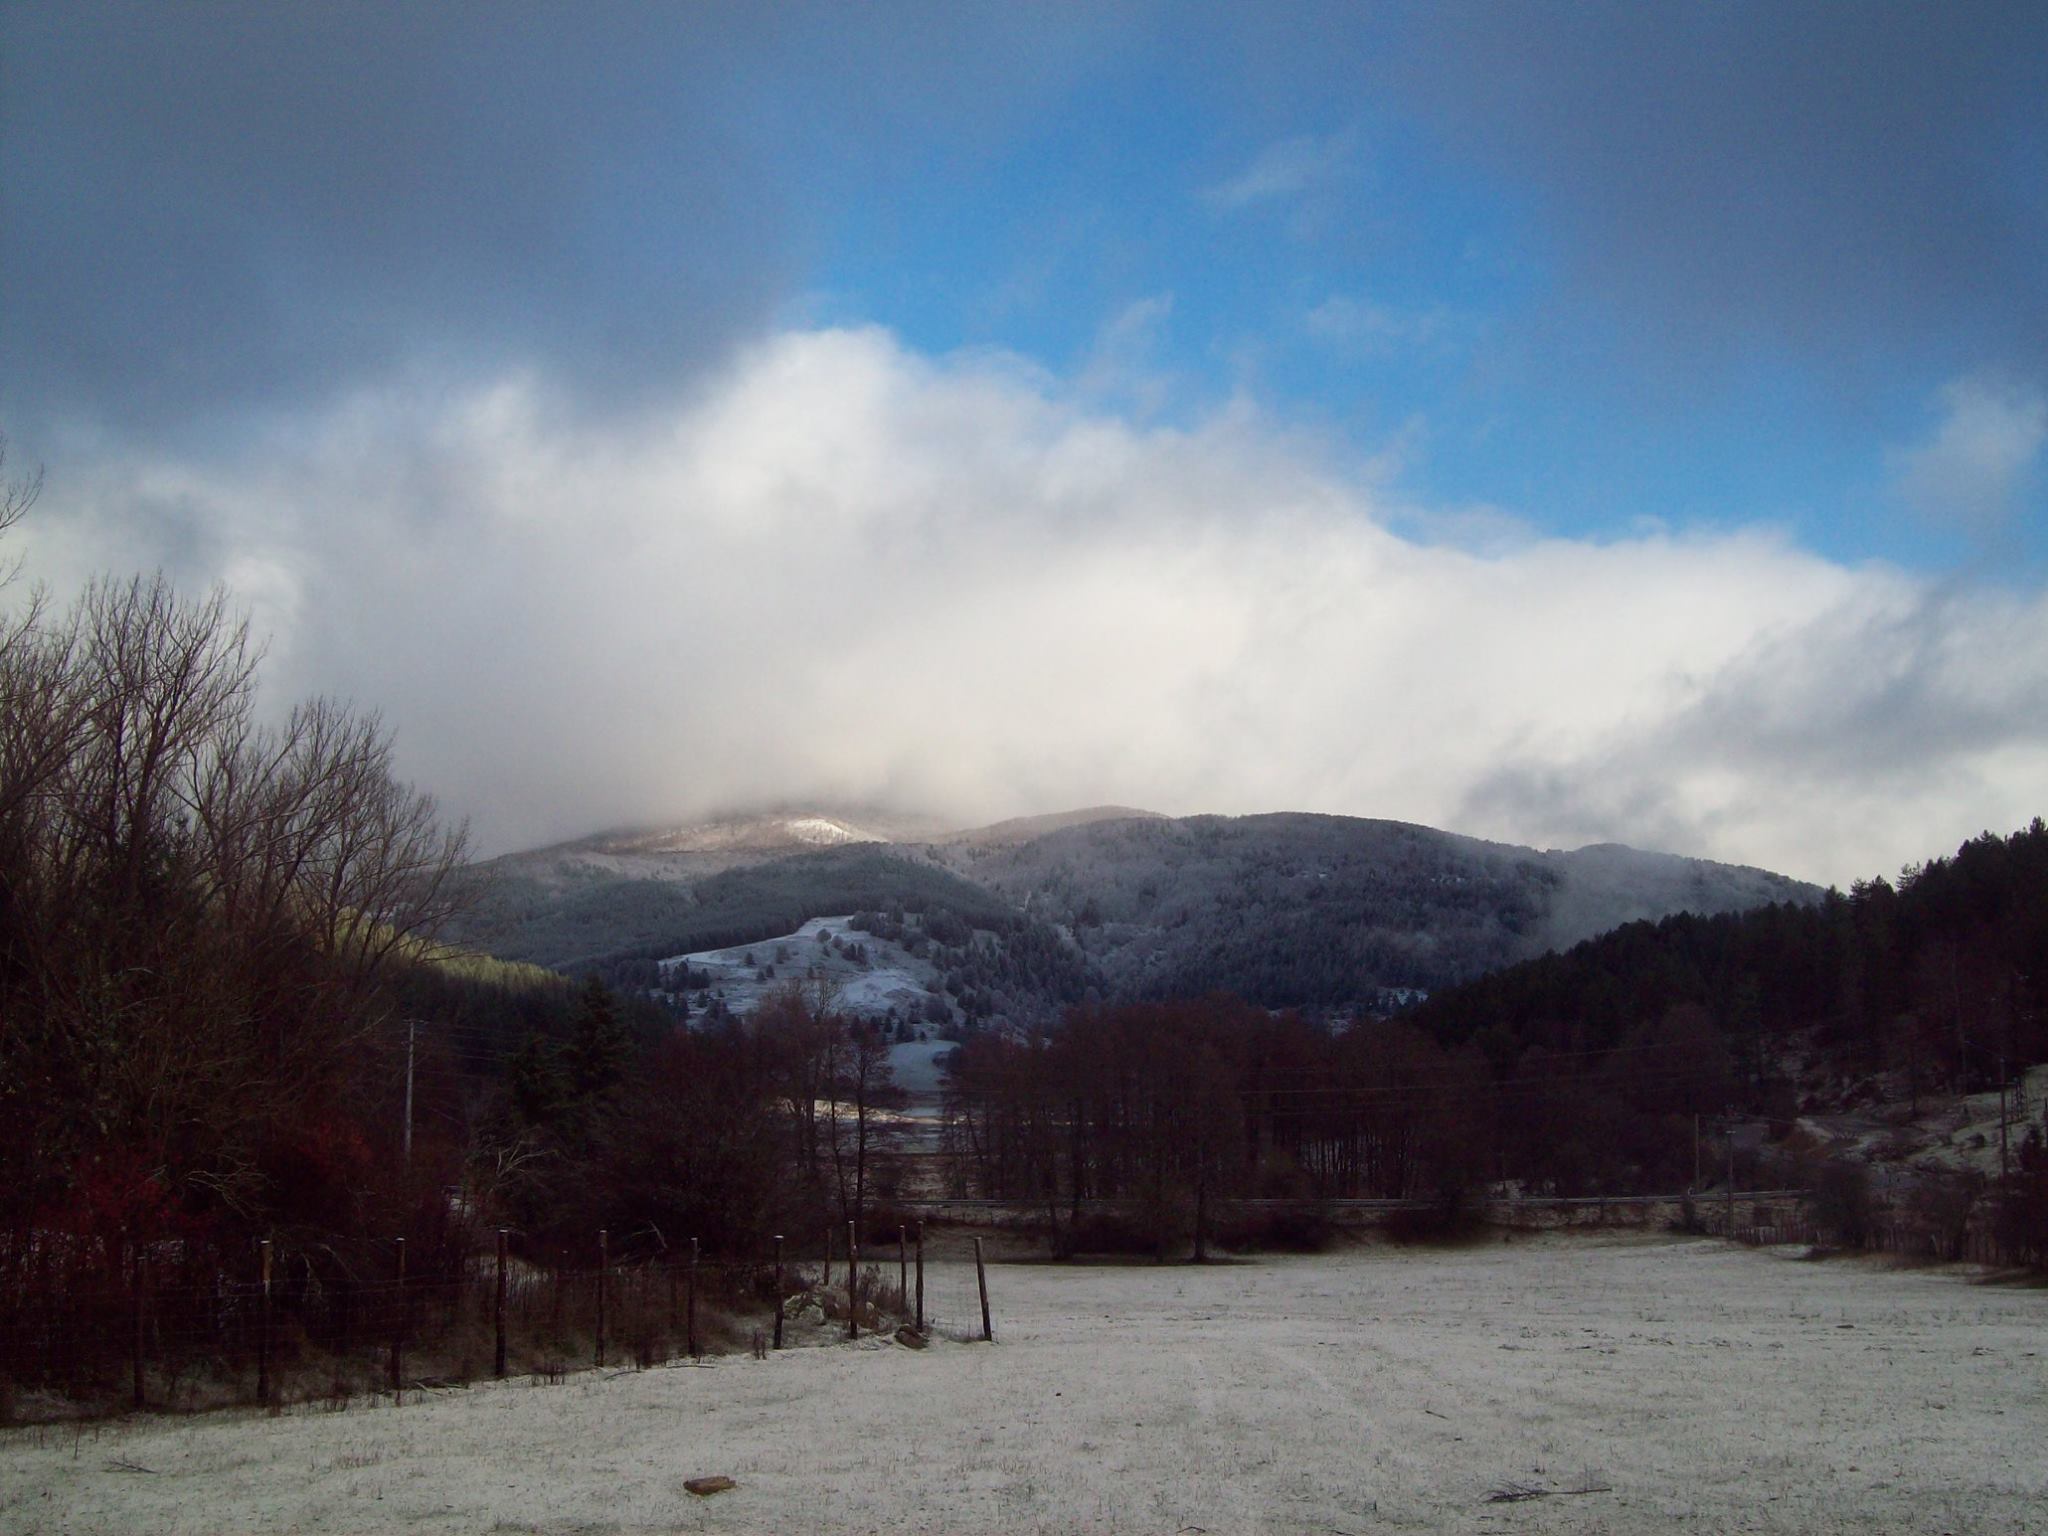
[1560, 424]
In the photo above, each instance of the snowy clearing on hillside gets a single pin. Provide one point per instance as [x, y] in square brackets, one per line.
[1693, 1385]
[1949, 1133]
[823, 953]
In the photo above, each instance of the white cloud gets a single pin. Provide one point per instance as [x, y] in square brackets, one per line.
[1977, 466]
[1285, 169]
[1123, 366]
[1353, 324]
[843, 569]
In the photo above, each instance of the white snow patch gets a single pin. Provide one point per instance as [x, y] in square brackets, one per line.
[816, 829]
[819, 955]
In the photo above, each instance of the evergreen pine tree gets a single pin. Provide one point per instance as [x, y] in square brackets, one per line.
[539, 1086]
[598, 1047]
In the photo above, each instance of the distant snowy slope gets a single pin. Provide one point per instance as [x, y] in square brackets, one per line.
[771, 832]
[626, 892]
[850, 971]
[1607, 884]
[1296, 909]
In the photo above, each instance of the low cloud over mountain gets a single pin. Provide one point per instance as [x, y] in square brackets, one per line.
[846, 571]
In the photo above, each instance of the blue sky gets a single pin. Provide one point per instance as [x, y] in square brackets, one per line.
[1489, 303]
[1350, 257]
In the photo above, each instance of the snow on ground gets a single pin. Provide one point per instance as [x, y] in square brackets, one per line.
[1704, 1387]
[892, 978]
[1951, 1133]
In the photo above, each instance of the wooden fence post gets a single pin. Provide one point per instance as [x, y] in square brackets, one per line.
[604, 1263]
[690, 1305]
[498, 1308]
[826, 1283]
[920, 1277]
[1729, 1203]
[263, 1320]
[988, 1332]
[902, 1271]
[398, 1333]
[852, 1281]
[141, 1325]
[778, 1290]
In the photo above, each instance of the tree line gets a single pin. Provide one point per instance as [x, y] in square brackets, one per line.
[726, 1132]
[1940, 978]
[1171, 1108]
[1175, 1109]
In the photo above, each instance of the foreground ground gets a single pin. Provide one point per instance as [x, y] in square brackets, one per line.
[1696, 1386]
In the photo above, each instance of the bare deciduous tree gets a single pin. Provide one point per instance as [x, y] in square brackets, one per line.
[197, 910]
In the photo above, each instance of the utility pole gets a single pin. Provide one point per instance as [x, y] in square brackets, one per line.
[411, 1029]
[1729, 1204]
[2004, 1168]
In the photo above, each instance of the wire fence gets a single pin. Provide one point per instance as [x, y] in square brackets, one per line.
[1972, 1245]
[169, 1330]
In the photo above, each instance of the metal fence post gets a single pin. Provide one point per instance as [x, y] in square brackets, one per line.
[398, 1332]
[852, 1281]
[263, 1321]
[988, 1332]
[604, 1261]
[498, 1308]
[690, 1306]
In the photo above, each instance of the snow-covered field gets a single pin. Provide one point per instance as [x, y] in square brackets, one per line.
[1697, 1386]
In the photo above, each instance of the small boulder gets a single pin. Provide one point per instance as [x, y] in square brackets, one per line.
[704, 1487]
[910, 1338]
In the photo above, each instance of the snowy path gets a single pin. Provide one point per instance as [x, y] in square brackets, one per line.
[1711, 1388]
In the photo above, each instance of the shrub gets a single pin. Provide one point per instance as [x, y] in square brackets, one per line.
[1113, 1232]
[1450, 1218]
[1299, 1226]
[1840, 1202]
[1689, 1219]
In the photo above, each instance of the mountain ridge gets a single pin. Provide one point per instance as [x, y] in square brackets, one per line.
[1286, 908]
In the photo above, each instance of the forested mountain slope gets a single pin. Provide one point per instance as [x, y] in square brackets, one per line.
[1286, 910]
[1941, 978]
[1307, 910]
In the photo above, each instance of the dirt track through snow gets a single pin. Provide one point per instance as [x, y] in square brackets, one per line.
[1709, 1388]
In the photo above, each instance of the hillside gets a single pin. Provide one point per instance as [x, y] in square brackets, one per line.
[1288, 910]
[1937, 977]
[866, 975]
[1901, 1027]
[1307, 910]
[649, 892]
